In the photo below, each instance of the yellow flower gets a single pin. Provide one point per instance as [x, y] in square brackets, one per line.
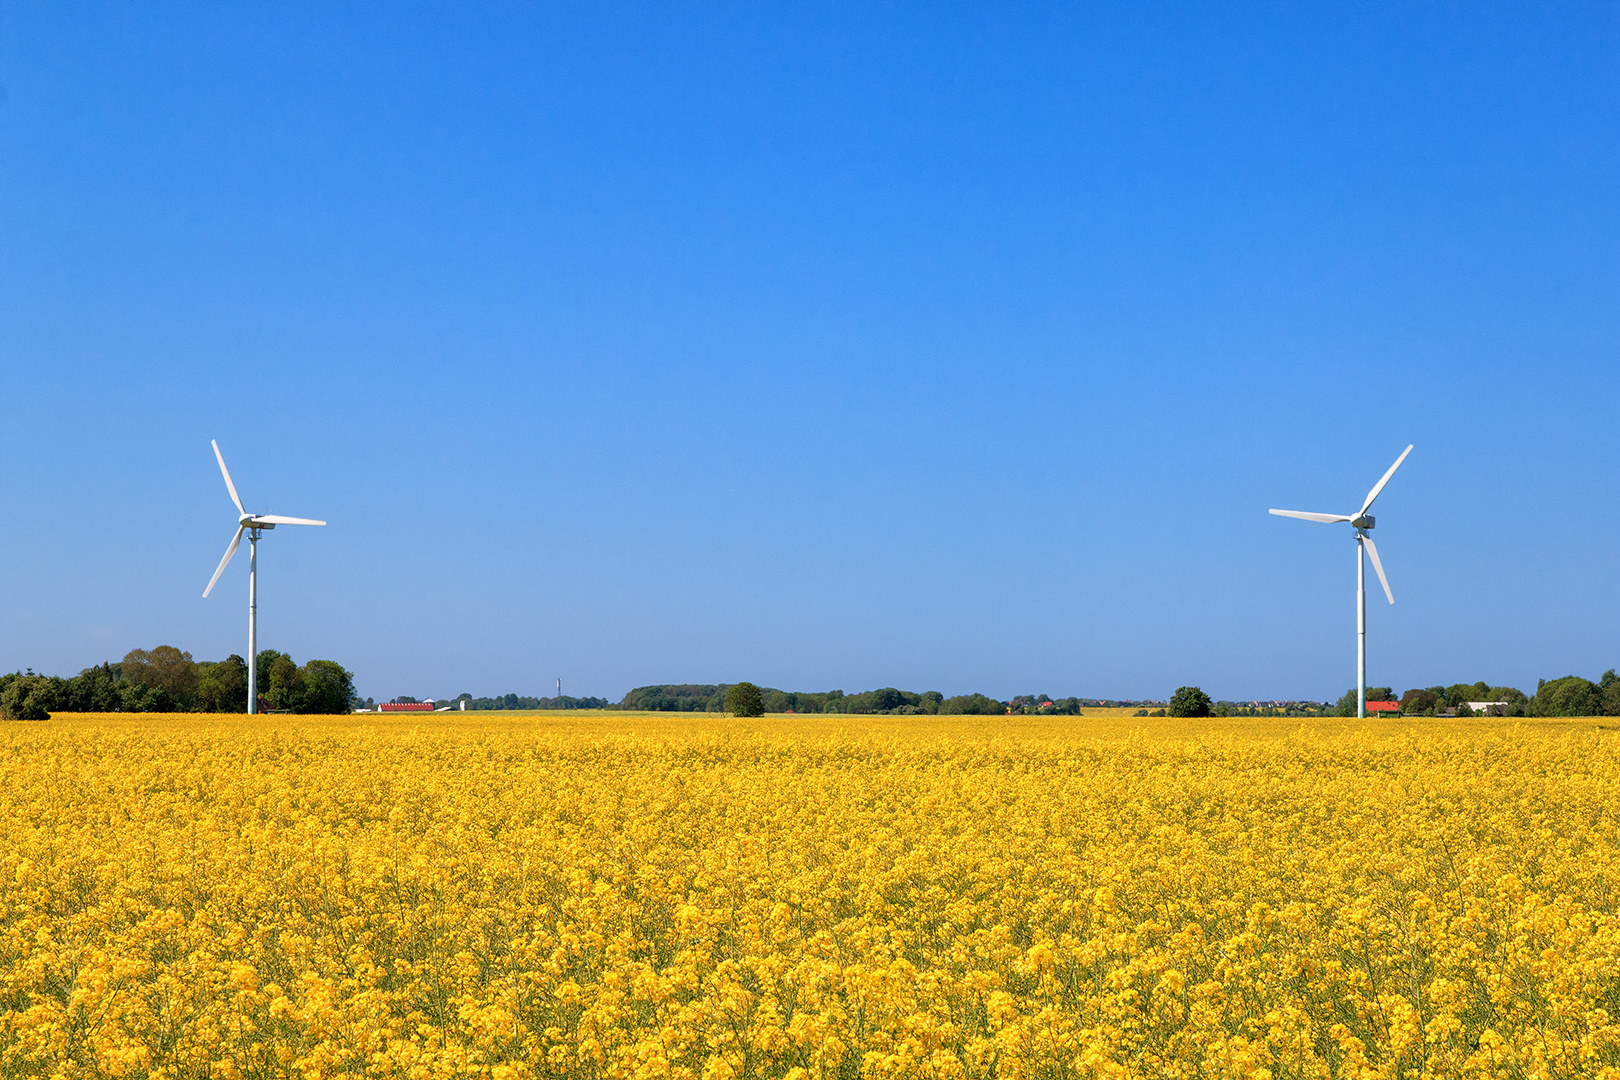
[671, 898]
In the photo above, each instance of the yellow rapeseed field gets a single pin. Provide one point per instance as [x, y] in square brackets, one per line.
[806, 897]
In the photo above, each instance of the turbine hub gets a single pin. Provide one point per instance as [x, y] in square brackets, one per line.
[1365, 521]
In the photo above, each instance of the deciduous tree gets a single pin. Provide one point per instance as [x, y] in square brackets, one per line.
[1190, 701]
[166, 668]
[971, 705]
[1569, 696]
[1415, 701]
[744, 699]
[27, 697]
[222, 687]
[327, 687]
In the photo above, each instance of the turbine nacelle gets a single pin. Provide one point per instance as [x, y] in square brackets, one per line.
[249, 521]
[1364, 521]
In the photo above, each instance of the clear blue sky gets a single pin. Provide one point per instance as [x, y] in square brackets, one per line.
[828, 346]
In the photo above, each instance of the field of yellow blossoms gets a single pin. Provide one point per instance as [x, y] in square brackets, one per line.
[807, 897]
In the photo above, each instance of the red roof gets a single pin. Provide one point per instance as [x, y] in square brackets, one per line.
[1383, 706]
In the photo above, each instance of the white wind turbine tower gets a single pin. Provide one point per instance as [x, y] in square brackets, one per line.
[1362, 522]
[250, 524]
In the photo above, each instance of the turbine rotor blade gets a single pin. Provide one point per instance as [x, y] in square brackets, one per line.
[1372, 550]
[275, 519]
[1373, 494]
[1308, 516]
[229, 486]
[235, 540]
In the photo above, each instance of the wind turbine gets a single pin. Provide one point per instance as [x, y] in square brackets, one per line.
[250, 524]
[1362, 522]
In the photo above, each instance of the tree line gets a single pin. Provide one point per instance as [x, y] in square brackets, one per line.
[512, 701]
[507, 701]
[885, 701]
[1568, 696]
[711, 697]
[167, 679]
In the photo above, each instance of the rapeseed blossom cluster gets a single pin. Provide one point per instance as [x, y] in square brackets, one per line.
[278, 897]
